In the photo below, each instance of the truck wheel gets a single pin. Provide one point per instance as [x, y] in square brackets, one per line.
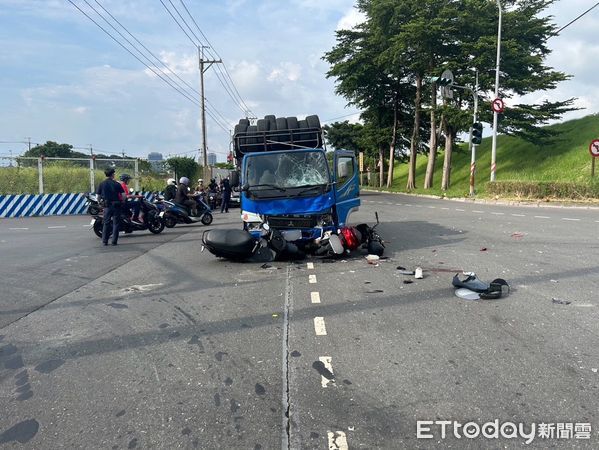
[292, 123]
[251, 135]
[303, 137]
[239, 128]
[272, 120]
[244, 122]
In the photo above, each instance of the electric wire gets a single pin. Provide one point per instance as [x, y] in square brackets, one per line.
[580, 16]
[162, 75]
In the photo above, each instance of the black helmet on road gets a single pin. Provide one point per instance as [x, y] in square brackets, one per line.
[109, 172]
[125, 177]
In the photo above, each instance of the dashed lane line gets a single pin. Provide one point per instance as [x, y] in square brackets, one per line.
[542, 217]
[573, 220]
[461, 210]
[18, 228]
[319, 326]
[519, 215]
[327, 361]
[312, 279]
[478, 212]
[445, 208]
[57, 226]
[310, 265]
[315, 297]
[337, 440]
[432, 207]
[498, 214]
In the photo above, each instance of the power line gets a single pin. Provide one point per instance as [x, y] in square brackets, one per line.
[341, 117]
[248, 111]
[572, 21]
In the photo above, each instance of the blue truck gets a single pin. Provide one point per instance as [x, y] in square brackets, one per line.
[289, 181]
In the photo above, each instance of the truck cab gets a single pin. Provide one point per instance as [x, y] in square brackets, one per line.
[301, 190]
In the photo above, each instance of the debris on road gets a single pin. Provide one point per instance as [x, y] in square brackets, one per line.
[472, 285]
[470, 282]
[558, 301]
[518, 235]
[467, 294]
[484, 249]
[407, 281]
[375, 291]
[418, 273]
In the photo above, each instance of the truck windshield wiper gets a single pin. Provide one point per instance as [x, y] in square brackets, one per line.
[310, 188]
[274, 186]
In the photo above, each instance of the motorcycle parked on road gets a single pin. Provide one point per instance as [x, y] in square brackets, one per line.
[152, 222]
[174, 213]
[93, 205]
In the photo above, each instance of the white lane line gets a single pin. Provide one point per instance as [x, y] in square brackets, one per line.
[326, 360]
[407, 204]
[519, 215]
[573, 220]
[312, 279]
[542, 217]
[445, 208]
[86, 225]
[478, 212]
[398, 204]
[418, 206]
[432, 207]
[498, 214]
[18, 228]
[337, 440]
[57, 226]
[319, 326]
[461, 210]
[310, 265]
[315, 297]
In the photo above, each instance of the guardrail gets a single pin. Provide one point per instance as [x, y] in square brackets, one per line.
[46, 204]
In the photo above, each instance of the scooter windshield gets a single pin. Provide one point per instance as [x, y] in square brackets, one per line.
[296, 173]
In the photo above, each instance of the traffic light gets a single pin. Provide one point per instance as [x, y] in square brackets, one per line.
[443, 81]
[477, 133]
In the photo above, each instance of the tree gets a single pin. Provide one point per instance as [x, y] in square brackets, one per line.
[52, 149]
[344, 135]
[184, 166]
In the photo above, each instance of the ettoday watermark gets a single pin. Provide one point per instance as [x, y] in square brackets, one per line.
[429, 429]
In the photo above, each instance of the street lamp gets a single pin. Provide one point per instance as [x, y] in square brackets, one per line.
[495, 113]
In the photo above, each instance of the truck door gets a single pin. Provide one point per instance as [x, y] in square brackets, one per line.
[347, 185]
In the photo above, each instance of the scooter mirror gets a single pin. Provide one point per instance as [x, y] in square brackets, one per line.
[245, 187]
[266, 226]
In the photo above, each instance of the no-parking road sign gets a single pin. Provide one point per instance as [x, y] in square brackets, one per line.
[498, 105]
[594, 148]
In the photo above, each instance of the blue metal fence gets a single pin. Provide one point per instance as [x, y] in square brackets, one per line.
[45, 204]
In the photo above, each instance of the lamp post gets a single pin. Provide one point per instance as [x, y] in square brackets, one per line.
[495, 113]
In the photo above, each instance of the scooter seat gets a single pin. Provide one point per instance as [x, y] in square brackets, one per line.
[230, 242]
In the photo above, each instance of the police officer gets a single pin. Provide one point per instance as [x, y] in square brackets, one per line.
[113, 197]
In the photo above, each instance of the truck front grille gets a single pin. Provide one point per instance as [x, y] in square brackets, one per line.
[280, 222]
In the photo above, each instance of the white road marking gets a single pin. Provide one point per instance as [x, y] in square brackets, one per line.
[310, 265]
[542, 217]
[326, 360]
[58, 226]
[86, 225]
[478, 212]
[519, 215]
[445, 208]
[141, 287]
[432, 207]
[315, 297]
[312, 279]
[584, 305]
[319, 326]
[461, 210]
[498, 214]
[337, 440]
[418, 206]
[398, 204]
[18, 228]
[573, 220]
[407, 204]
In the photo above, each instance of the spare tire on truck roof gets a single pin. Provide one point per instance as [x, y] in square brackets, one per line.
[313, 121]
[245, 122]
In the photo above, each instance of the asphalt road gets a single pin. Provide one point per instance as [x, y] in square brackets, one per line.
[153, 344]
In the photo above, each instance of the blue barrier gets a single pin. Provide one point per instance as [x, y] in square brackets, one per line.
[45, 204]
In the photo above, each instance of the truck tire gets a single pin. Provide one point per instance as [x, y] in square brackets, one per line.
[313, 121]
[281, 123]
[282, 133]
[251, 135]
[272, 121]
[245, 122]
[292, 125]
[303, 137]
[262, 125]
[240, 128]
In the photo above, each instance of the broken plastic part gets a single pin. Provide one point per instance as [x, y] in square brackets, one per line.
[467, 294]
[560, 302]
[418, 273]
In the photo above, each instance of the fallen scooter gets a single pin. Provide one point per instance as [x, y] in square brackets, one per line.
[348, 239]
[152, 221]
[240, 245]
[93, 205]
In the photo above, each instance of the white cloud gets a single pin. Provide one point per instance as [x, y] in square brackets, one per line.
[351, 18]
[80, 110]
[287, 71]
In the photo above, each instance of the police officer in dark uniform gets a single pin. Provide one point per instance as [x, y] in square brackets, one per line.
[113, 197]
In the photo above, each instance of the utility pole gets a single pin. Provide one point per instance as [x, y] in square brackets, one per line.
[473, 145]
[204, 66]
[29, 143]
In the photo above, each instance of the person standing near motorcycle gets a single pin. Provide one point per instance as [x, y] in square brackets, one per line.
[226, 192]
[131, 203]
[112, 195]
[171, 190]
[183, 196]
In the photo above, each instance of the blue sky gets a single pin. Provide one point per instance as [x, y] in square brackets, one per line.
[63, 79]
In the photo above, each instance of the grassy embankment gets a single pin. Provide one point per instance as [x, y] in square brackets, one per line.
[558, 170]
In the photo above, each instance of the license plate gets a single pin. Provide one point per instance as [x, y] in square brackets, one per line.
[161, 214]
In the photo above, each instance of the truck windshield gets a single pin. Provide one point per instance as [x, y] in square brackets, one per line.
[287, 174]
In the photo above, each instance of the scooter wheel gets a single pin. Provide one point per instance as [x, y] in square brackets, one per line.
[98, 224]
[207, 219]
[170, 222]
[156, 225]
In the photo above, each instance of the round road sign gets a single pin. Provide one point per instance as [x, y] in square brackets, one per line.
[594, 148]
[498, 105]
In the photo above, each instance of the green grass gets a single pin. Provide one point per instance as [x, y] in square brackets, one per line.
[566, 159]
